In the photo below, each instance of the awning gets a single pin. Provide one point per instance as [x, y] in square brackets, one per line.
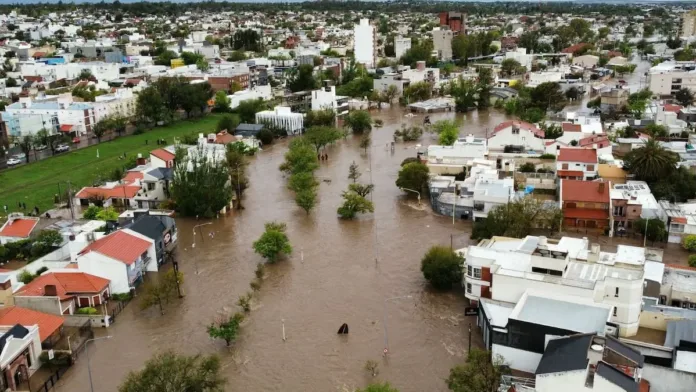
[66, 128]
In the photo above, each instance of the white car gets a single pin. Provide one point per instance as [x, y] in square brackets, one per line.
[40, 147]
[20, 156]
[62, 148]
[13, 162]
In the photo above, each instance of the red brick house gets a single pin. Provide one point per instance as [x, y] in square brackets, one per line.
[585, 204]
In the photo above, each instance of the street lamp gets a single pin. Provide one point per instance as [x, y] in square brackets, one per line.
[89, 364]
[384, 316]
[193, 246]
[416, 192]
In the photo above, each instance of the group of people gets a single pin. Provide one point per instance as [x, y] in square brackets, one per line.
[23, 206]
[323, 157]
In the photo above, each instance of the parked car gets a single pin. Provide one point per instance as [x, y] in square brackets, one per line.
[20, 156]
[13, 161]
[62, 148]
[40, 147]
[76, 140]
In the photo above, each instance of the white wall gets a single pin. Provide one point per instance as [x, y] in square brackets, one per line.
[566, 382]
[364, 43]
[116, 271]
[518, 359]
[524, 138]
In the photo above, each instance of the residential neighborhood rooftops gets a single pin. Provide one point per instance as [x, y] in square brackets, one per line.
[585, 191]
[19, 227]
[163, 154]
[120, 246]
[48, 323]
[583, 155]
[520, 124]
[67, 284]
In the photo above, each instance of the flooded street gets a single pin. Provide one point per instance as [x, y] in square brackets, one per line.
[331, 278]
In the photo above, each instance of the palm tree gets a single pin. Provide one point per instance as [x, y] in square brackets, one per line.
[650, 162]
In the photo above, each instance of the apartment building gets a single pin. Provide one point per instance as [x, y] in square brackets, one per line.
[669, 77]
[688, 24]
[364, 41]
[28, 117]
[442, 43]
[326, 98]
[401, 45]
[503, 269]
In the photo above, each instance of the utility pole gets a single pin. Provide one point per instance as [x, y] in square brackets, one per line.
[70, 202]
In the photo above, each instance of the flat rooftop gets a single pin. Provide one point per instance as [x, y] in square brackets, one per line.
[564, 312]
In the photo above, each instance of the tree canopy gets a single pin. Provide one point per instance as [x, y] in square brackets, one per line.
[480, 373]
[414, 176]
[200, 186]
[442, 267]
[517, 219]
[183, 373]
[273, 242]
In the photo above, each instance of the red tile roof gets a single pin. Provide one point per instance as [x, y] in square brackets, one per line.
[68, 284]
[224, 138]
[570, 173]
[117, 192]
[119, 246]
[520, 124]
[584, 155]
[48, 323]
[585, 191]
[163, 154]
[596, 139]
[132, 176]
[672, 108]
[66, 128]
[679, 219]
[574, 48]
[582, 213]
[570, 127]
[19, 228]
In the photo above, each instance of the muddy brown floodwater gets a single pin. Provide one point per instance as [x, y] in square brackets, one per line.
[331, 278]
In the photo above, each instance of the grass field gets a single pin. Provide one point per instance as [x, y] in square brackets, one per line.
[36, 184]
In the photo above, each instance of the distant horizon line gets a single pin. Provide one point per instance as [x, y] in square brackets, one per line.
[27, 2]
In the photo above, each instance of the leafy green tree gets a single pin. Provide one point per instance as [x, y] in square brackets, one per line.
[201, 186]
[684, 97]
[237, 164]
[301, 157]
[302, 79]
[656, 230]
[107, 214]
[184, 373]
[321, 136]
[518, 219]
[480, 373]
[166, 58]
[689, 242]
[191, 58]
[49, 238]
[11, 82]
[361, 189]
[419, 91]
[247, 40]
[511, 67]
[306, 199]
[222, 103]
[357, 88]
[442, 267]
[226, 329]
[301, 181]
[414, 175]
[354, 172]
[692, 261]
[26, 144]
[160, 293]
[247, 109]
[320, 118]
[150, 106]
[354, 204]
[448, 136]
[650, 162]
[422, 51]
[548, 95]
[100, 129]
[551, 131]
[673, 43]
[228, 122]
[385, 387]
[237, 55]
[365, 141]
[359, 121]
[273, 242]
[656, 130]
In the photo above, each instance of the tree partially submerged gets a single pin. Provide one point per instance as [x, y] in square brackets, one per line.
[442, 267]
[354, 204]
[517, 219]
[226, 328]
[161, 292]
[169, 371]
[201, 185]
[273, 242]
[480, 373]
[413, 176]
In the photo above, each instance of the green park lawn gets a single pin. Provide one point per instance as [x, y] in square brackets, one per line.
[36, 183]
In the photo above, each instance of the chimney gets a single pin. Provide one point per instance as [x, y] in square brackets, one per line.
[50, 290]
[420, 65]
[140, 160]
[593, 254]
[600, 189]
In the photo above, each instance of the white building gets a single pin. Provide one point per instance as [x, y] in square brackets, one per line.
[19, 357]
[283, 117]
[517, 133]
[442, 43]
[669, 77]
[62, 115]
[521, 56]
[688, 25]
[120, 103]
[401, 45]
[122, 257]
[326, 98]
[364, 42]
[451, 159]
[502, 269]
[577, 163]
[257, 92]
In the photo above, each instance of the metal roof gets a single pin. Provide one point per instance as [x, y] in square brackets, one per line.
[565, 354]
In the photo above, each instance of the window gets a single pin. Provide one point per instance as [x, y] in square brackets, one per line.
[468, 288]
[151, 186]
[477, 273]
[564, 166]
[614, 311]
[468, 270]
[616, 292]
[590, 167]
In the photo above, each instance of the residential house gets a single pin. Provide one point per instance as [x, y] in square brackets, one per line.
[163, 157]
[159, 228]
[614, 100]
[626, 208]
[326, 98]
[20, 348]
[519, 332]
[17, 228]
[586, 61]
[577, 163]
[121, 257]
[677, 288]
[516, 133]
[680, 220]
[612, 173]
[600, 143]
[62, 293]
[50, 325]
[586, 204]
[452, 159]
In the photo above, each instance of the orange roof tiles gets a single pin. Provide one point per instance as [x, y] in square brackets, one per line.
[520, 124]
[597, 139]
[48, 323]
[570, 173]
[66, 128]
[117, 192]
[672, 108]
[163, 154]
[584, 155]
[19, 228]
[119, 246]
[679, 219]
[586, 191]
[570, 127]
[131, 176]
[679, 266]
[68, 284]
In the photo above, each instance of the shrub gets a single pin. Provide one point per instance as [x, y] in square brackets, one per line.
[41, 271]
[265, 136]
[527, 167]
[244, 302]
[442, 267]
[255, 285]
[91, 212]
[121, 296]
[550, 157]
[692, 260]
[60, 359]
[26, 277]
[689, 243]
[87, 310]
[260, 271]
